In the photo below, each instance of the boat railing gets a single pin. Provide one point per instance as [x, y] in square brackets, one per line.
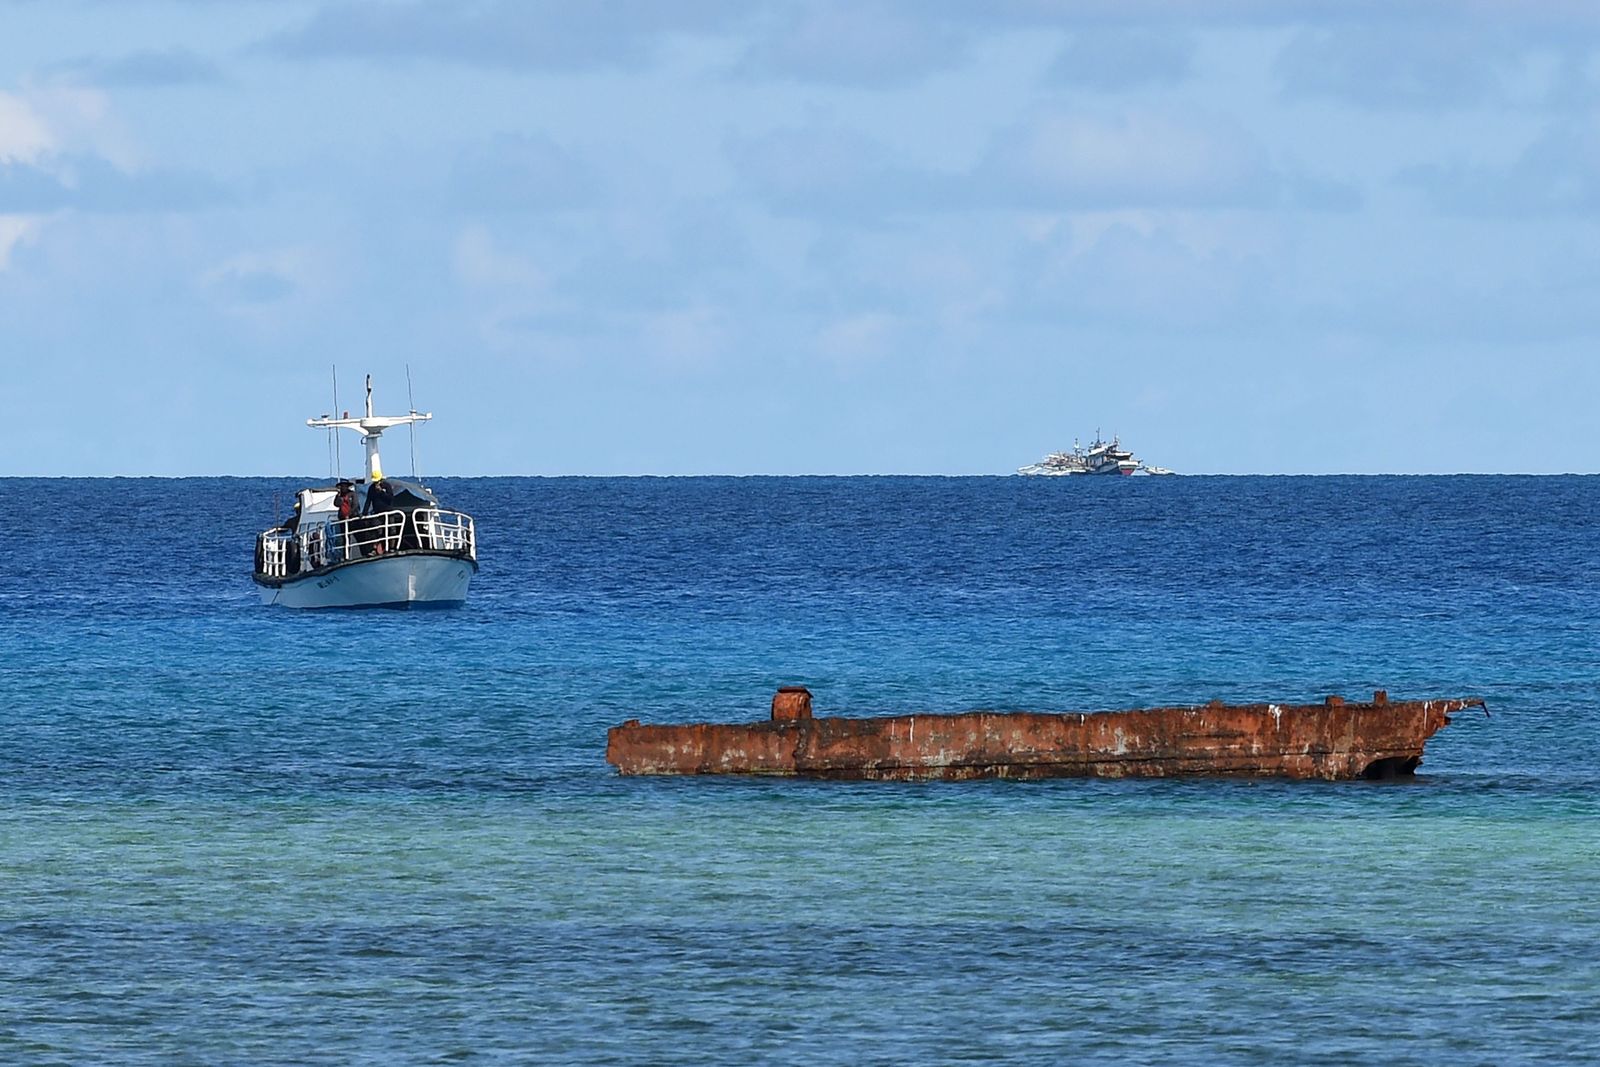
[445, 531]
[358, 537]
[274, 549]
[281, 554]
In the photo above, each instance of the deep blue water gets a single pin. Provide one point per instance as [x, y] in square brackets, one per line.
[237, 834]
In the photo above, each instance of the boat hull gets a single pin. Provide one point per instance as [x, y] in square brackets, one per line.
[1333, 740]
[399, 580]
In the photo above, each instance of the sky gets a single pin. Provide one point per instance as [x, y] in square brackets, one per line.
[800, 236]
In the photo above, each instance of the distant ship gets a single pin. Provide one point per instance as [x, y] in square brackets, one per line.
[1102, 457]
[1059, 463]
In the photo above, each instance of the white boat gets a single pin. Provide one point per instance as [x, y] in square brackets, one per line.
[1102, 457]
[1109, 457]
[372, 542]
[1057, 464]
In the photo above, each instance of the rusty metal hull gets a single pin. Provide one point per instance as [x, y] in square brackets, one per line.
[1332, 740]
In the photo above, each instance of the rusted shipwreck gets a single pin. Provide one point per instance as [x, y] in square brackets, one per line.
[1336, 739]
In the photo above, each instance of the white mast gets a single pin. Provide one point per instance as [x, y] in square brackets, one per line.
[371, 427]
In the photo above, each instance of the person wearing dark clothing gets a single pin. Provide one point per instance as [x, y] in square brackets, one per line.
[292, 547]
[380, 498]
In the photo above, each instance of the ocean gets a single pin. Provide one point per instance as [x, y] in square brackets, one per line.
[235, 834]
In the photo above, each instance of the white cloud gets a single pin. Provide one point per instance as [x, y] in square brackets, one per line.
[1136, 269]
[79, 120]
[687, 338]
[25, 136]
[1114, 58]
[146, 68]
[1557, 174]
[1068, 159]
[876, 43]
[1055, 160]
[854, 339]
[478, 263]
[855, 43]
[509, 34]
[15, 229]
[259, 282]
[1425, 66]
[25, 139]
[827, 170]
[61, 150]
[522, 173]
[508, 298]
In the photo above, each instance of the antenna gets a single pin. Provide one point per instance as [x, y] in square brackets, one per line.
[412, 400]
[371, 427]
[338, 459]
[331, 443]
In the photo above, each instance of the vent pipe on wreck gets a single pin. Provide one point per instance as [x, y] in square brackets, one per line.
[791, 702]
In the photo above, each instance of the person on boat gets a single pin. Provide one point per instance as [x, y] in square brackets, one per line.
[344, 506]
[344, 502]
[380, 498]
[292, 547]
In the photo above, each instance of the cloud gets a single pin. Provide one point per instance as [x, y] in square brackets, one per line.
[1557, 174]
[507, 294]
[1425, 66]
[251, 286]
[858, 44]
[1116, 45]
[685, 339]
[1504, 283]
[62, 119]
[1056, 161]
[1112, 59]
[1144, 269]
[1263, 275]
[88, 183]
[25, 135]
[512, 34]
[853, 339]
[1545, 16]
[1073, 160]
[477, 262]
[831, 170]
[522, 173]
[14, 230]
[256, 283]
[145, 69]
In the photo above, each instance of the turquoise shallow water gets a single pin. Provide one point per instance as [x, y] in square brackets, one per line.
[234, 834]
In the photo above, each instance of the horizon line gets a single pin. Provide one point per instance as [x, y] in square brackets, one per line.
[309, 479]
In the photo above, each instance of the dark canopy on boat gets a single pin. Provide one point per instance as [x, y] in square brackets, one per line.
[408, 496]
